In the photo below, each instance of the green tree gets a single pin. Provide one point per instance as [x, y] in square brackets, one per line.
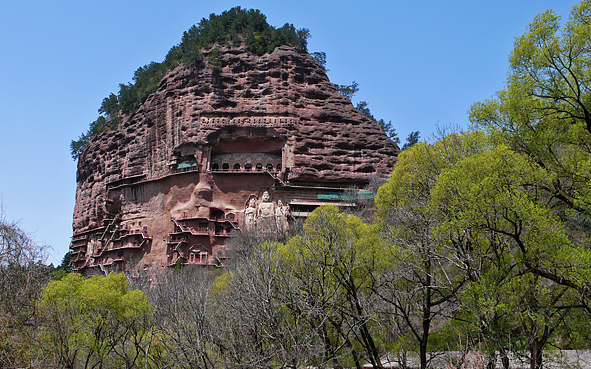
[348, 90]
[508, 243]
[99, 125]
[421, 287]
[128, 98]
[333, 263]
[363, 109]
[62, 269]
[389, 130]
[320, 57]
[95, 322]
[78, 146]
[65, 264]
[542, 113]
[110, 105]
[411, 140]
[543, 110]
[146, 80]
[549, 66]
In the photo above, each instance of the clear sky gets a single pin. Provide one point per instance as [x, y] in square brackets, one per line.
[418, 63]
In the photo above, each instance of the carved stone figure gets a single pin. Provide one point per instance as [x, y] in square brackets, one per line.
[266, 207]
[250, 213]
[281, 215]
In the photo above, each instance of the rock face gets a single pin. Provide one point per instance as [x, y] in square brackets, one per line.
[217, 148]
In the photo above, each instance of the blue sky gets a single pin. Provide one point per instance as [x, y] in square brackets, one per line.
[418, 63]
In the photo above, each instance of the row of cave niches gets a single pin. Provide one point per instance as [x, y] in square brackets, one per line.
[115, 244]
[225, 167]
[200, 240]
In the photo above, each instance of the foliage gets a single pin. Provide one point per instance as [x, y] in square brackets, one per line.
[57, 273]
[95, 322]
[411, 140]
[550, 68]
[320, 57]
[389, 130]
[22, 274]
[99, 125]
[470, 216]
[65, 264]
[543, 109]
[333, 264]
[78, 146]
[512, 239]
[348, 90]
[363, 109]
[236, 25]
[232, 27]
[62, 269]
[543, 114]
[109, 105]
[420, 290]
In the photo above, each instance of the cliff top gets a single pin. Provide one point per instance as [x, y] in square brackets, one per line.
[199, 45]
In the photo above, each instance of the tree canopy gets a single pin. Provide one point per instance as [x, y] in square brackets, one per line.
[543, 110]
[95, 322]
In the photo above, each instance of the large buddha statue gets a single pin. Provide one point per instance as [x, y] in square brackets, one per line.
[266, 207]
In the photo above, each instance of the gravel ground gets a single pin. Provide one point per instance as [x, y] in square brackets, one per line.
[566, 359]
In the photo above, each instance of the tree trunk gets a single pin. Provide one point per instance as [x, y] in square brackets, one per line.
[537, 350]
[504, 359]
[536, 355]
[492, 360]
[426, 317]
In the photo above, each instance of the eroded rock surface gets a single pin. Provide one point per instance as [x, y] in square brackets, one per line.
[177, 177]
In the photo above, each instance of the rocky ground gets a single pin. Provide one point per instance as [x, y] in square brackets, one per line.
[557, 359]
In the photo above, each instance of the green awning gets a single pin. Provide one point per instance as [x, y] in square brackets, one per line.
[187, 165]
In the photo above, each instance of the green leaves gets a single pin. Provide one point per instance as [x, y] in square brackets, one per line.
[237, 24]
[95, 320]
[110, 105]
[484, 213]
[541, 215]
[549, 76]
[332, 265]
[496, 191]
[348, 90]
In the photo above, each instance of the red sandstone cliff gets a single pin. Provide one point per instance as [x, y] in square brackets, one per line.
[280, 106]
